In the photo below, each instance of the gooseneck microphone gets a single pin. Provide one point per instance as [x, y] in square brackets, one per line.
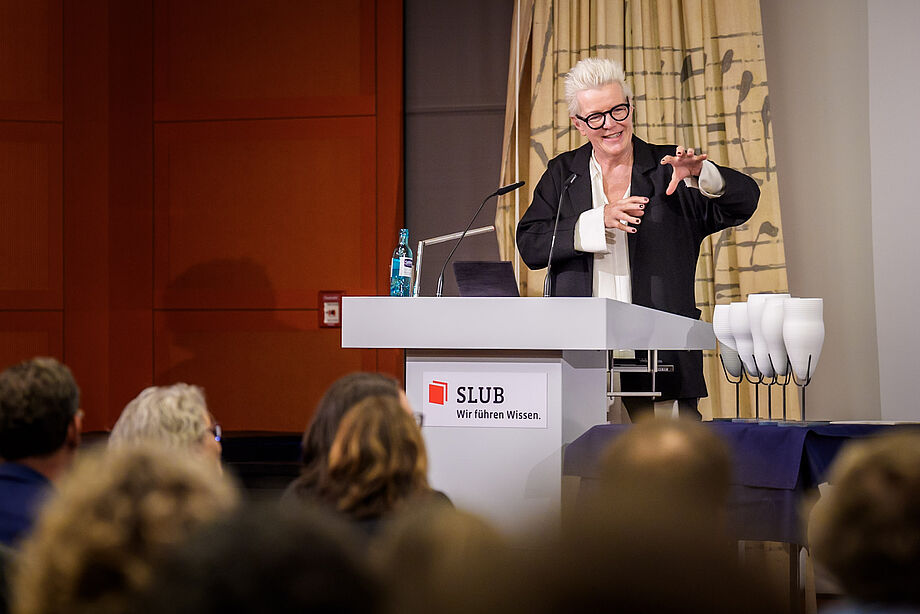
[499, 192]
[547, 283]
[511, 187]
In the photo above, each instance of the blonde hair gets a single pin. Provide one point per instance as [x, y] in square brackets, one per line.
[176, 416]
[591, 74]
[95, 542]
[377, 459]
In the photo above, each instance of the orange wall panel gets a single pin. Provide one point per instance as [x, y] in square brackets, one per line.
[235, 59]
[30, 60]
[31, 257]
[390, 169]
[261, 370]
[88, 284]
[26, 334]
[130, 202]
[179, 179]
[263, 214]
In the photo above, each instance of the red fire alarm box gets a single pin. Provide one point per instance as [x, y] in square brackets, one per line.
[330, 308]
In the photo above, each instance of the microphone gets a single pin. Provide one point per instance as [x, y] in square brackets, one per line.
[499, 192]
[508, 188]
[547, 284]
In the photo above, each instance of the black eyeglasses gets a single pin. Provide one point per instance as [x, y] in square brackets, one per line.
[217, 432]
[618, 113]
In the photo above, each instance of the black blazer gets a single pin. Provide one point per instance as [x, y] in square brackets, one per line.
[663, 253]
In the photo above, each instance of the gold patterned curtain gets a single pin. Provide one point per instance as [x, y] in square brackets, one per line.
[697, 69]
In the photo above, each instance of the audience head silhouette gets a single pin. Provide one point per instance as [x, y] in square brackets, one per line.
[39, 406]
[114, 514]
[377, 461]
[266, 560]
[174, 416]
[659, 464]
[866, 529]
[436, 558]
[40, 423]
[653, 537]
[317, 439]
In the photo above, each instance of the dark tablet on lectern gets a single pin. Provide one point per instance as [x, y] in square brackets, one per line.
[478, 278]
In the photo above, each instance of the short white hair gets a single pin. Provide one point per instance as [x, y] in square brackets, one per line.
[175, 416]
[592, 74]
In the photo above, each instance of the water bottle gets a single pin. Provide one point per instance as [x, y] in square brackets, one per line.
[401, 267]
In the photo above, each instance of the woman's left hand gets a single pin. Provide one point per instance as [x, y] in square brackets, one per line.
[686, 163]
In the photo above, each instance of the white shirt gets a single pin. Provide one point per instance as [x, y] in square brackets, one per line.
[609, 245]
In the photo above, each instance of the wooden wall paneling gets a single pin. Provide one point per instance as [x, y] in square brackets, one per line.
[86, 201]
[263, 214]
[147, 207]
[261, 370]
[130, 207]
[31, 60]
[236, 59]
[26, 334]
[390, 157]
[31, 258]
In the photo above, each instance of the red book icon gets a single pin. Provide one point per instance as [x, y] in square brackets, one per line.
[437, 392]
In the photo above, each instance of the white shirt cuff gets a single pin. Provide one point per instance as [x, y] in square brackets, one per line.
[710, 182]
[590, 235]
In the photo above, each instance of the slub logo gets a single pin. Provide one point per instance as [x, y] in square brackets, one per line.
[437, 392]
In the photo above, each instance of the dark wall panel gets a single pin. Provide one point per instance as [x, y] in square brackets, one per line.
[30, 216]
[455, 109]
[130, 203]
[24, 334]
[88, 281]
[30, 60]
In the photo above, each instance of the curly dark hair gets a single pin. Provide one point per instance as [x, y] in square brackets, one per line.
[317, 439]
[38, 399]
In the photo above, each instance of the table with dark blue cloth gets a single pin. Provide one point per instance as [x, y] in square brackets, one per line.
[774, 465]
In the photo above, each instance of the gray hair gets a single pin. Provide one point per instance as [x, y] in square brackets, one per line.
[175, 416]
[591, 74]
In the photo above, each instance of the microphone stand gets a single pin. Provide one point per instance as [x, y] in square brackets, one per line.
[547, 284]
[498, 192]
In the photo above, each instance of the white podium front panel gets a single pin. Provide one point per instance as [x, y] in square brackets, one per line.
[506, 383]
[494, 462]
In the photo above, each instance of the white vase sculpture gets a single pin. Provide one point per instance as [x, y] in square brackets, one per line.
[731, 360]
[756, 304]
[771, 326]
[803, 333]
[741, 331]
[722, 327]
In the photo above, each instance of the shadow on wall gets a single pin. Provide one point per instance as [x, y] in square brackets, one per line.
[246, 356]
